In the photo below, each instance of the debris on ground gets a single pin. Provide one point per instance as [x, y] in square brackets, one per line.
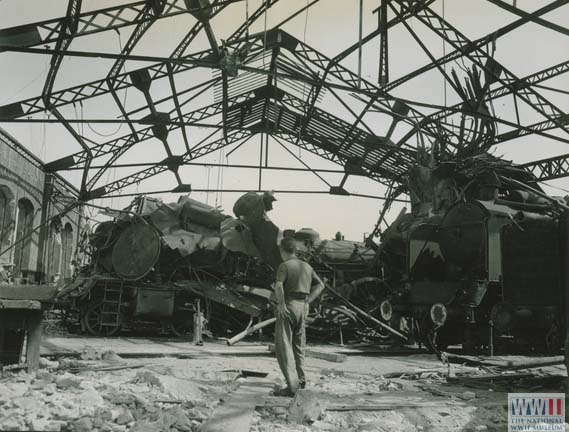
[147, 398]
[104, 391]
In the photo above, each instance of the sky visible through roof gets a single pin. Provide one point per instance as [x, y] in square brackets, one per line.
[329, 27]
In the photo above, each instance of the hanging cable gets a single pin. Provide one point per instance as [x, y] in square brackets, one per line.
[265, 33]
[208, 168]
[42, 152]
[124, 99]
[25, 86]
[247, 17]
[304, 83]
[222, 174]
[444, 55]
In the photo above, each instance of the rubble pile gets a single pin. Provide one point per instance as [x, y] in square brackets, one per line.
[109, 396]
[411, 400]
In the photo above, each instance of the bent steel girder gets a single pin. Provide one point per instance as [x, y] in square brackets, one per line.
[111, 18]
[67, 30]
[475, 44]
[126, 142]
[100, 87]
[145, 19]
[499, 92]
[479, 57]
[336, 60]
[266, 100]
[519, 12]
[201, 149]
[550, 168]
[245, 119]
[328, 67]
[437, 63]
[177, 53]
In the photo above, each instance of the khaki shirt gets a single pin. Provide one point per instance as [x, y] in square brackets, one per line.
[297, 276]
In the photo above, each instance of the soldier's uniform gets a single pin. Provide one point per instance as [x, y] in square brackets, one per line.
[297, 278]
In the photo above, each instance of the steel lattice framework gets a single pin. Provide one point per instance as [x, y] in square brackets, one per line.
[273, 83]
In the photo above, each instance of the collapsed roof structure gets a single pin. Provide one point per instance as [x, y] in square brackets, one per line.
[273, 83]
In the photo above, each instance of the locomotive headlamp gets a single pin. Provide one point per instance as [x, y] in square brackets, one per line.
[439, 314]
[386, 310]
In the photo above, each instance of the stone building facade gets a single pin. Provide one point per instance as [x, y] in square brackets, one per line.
[21, 191]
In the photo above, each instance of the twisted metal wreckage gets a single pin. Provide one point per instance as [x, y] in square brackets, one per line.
[450, 259]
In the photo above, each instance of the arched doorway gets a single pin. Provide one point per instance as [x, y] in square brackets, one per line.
[23, 244]
[67, 246]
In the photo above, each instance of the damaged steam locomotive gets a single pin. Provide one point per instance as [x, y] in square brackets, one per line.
[481, 257]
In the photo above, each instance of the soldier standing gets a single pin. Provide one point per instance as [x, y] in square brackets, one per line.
[297, 285]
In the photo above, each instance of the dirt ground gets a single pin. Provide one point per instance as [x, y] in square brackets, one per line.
[94, 384]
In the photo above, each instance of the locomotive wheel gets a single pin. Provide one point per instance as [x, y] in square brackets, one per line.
[92, 320]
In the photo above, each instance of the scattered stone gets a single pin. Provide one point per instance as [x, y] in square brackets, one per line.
[98, 422]
[319, 425]
[181, 420]
[145, 426]
[45, 376]
[84, 424]
[307, 407]
[66, 381]
[39, 385]
[332, 373]
[89, 353]
[89, 399]
[124, 417]
[15, 423]
[107, 427]
[111, 356]
[393, 386]
[467, 395]
[49, 389]
[279, 410]
[48, 364]
[13, 390]
[147, 377]
[25, 403]
[197, 413]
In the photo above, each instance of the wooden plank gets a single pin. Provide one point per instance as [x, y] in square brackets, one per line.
[530, 364]
[420, 404]
[236, 413]
[34, 328]
[20, 304]
[322, 355]
[27, 292]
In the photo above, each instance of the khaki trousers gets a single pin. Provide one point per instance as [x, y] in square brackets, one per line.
[290, 339]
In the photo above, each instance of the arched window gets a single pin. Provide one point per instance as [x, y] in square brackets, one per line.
[4, 221]
[67, 245]
[54, 249]
[24, 228]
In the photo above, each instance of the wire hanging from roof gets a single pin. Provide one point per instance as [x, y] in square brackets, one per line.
[247, 18]
[124, 99]
[304, 83]
[265, 32]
